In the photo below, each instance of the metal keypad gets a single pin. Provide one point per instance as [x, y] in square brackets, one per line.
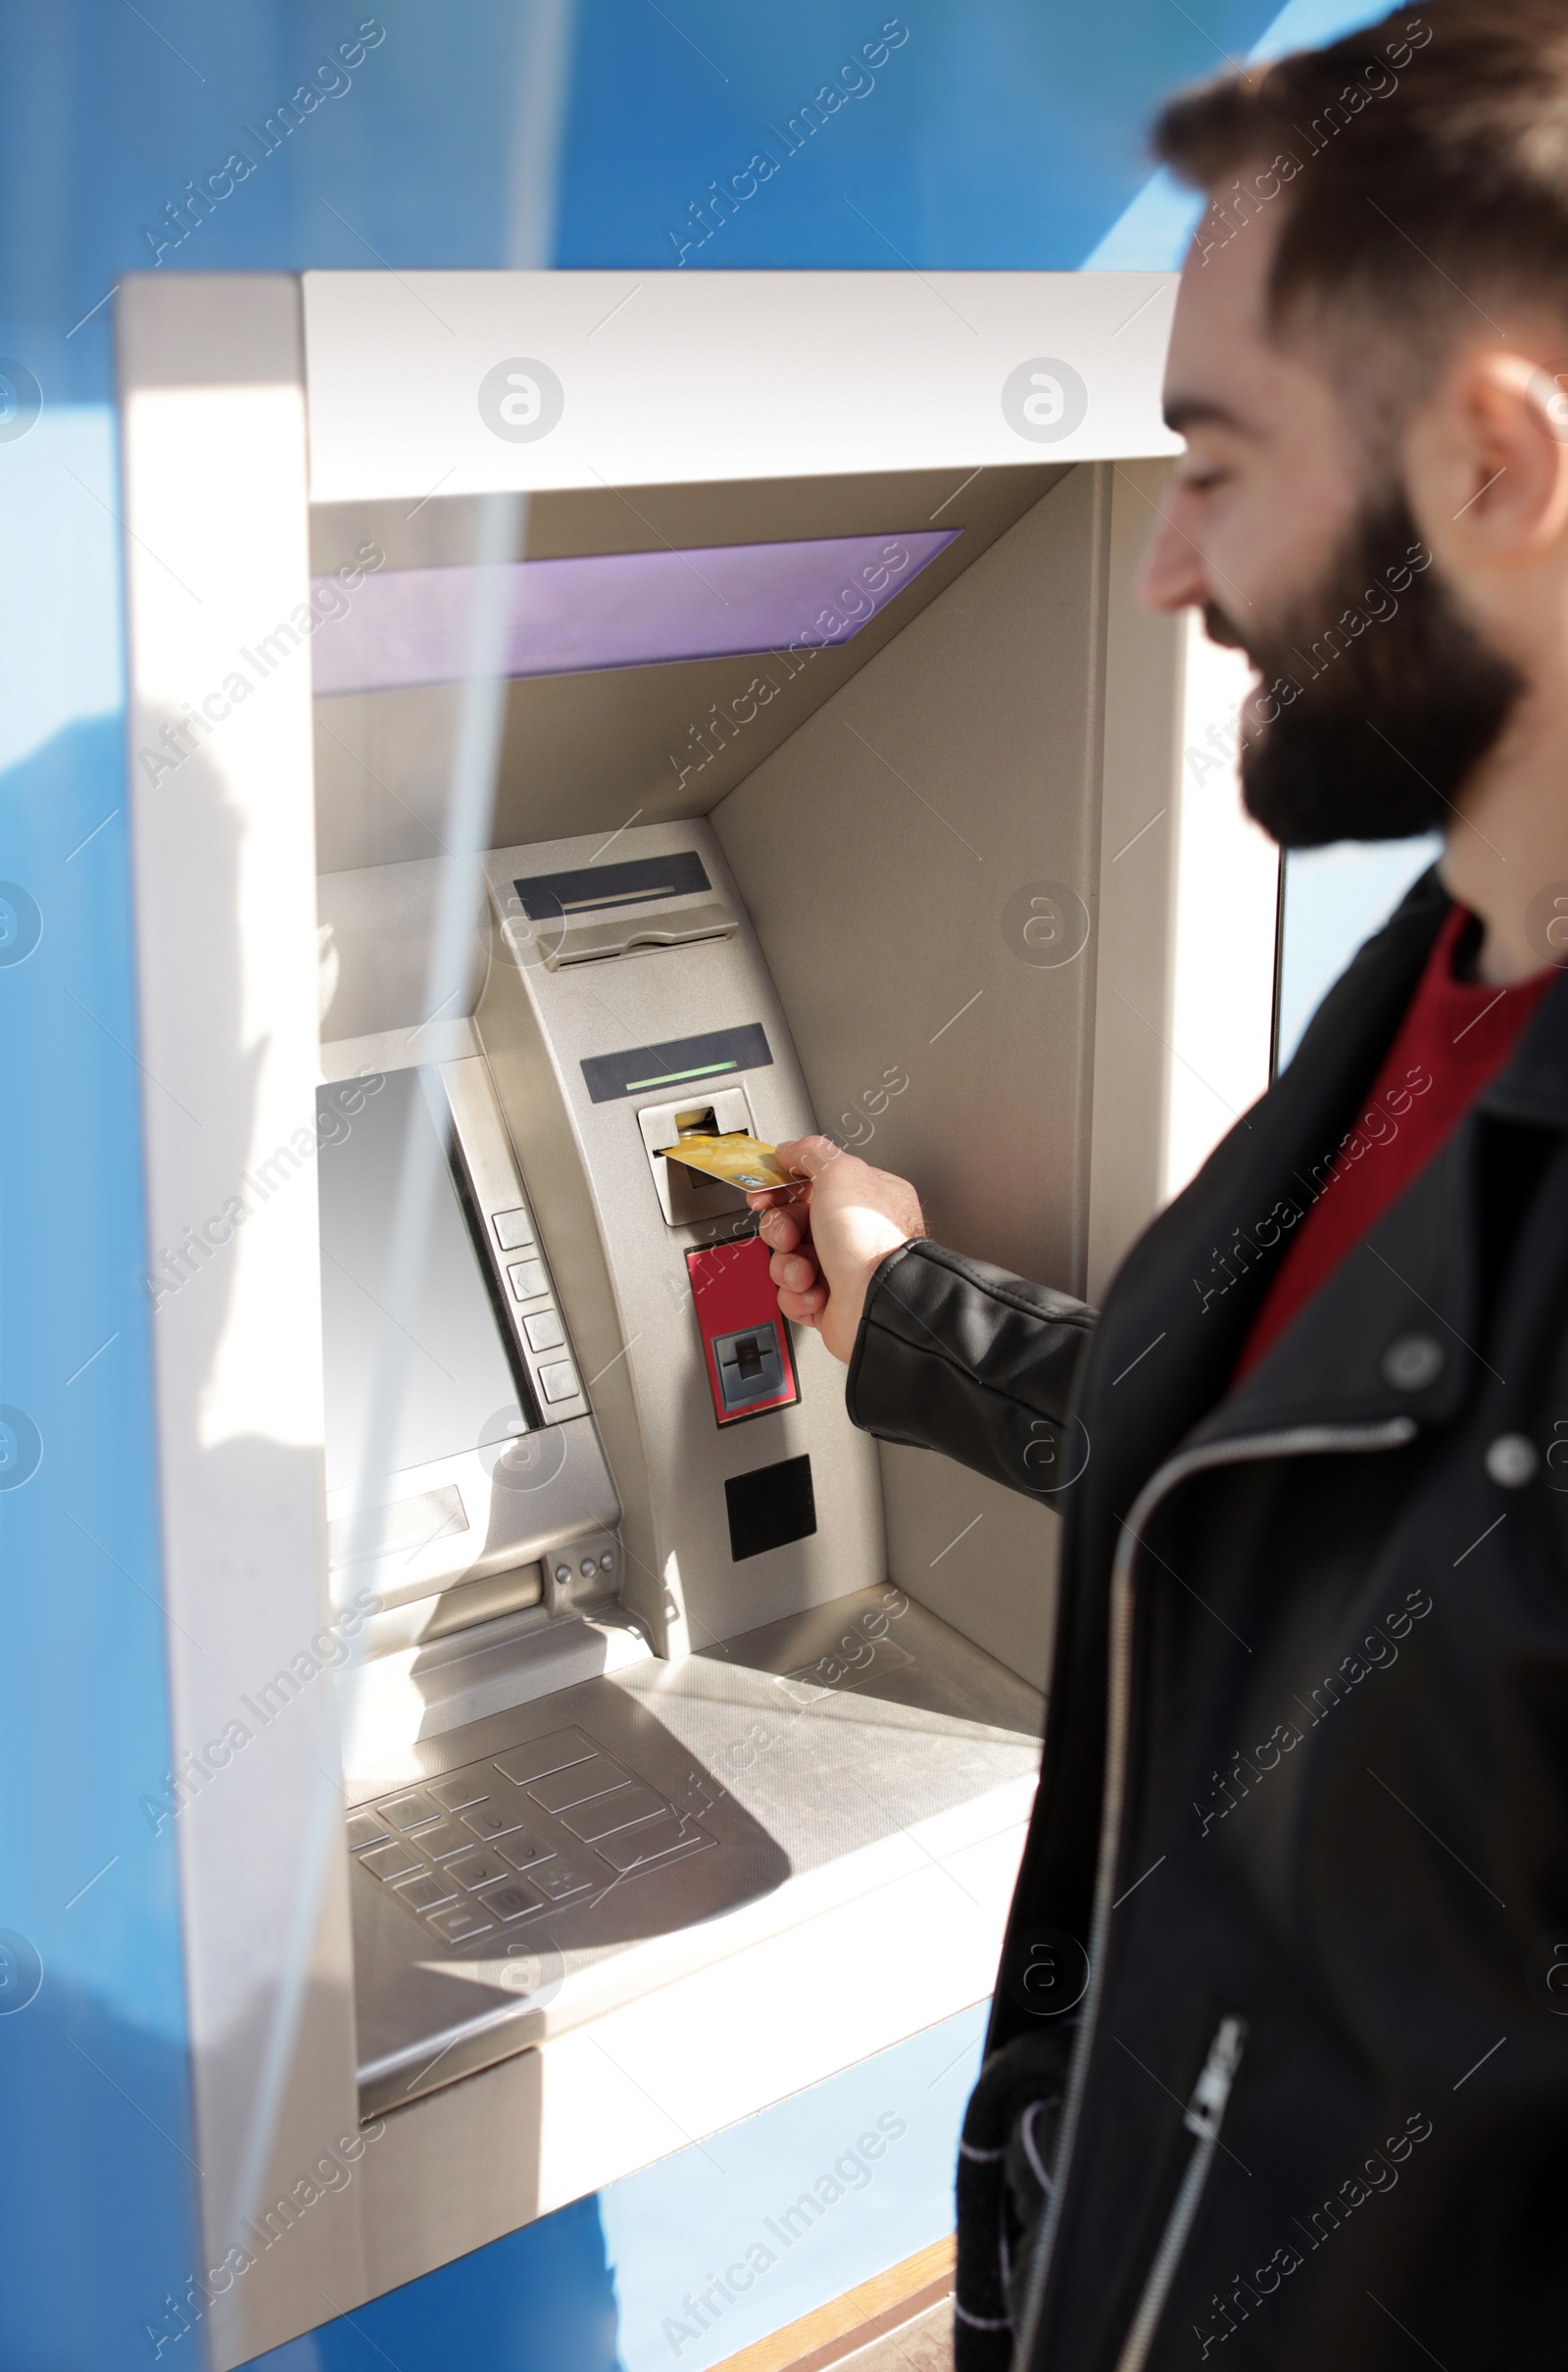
[492, 1819]
[408, 1810]
[484, 1849]
[428, 1892]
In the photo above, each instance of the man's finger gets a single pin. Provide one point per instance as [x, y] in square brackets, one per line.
[784, 1229]
[803, 1309]
[793, 1272]
[807, 1157]
[779, 1198]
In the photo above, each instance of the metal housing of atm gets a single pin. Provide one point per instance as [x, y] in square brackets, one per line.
[830, 1739]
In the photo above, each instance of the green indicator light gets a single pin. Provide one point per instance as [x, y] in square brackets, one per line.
[673, 1079]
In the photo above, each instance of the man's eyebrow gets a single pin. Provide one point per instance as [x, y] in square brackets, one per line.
[1184, 412]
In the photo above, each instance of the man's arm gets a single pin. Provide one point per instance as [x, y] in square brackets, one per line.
[943, 1352]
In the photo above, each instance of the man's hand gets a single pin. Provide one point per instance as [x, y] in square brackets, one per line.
[828, 1235]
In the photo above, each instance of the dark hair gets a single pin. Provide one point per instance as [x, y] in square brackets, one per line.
[1421, 166]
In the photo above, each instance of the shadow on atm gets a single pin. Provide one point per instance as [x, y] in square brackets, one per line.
[625, 1814]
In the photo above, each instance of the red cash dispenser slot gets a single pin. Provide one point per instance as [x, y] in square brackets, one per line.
[750, 1367]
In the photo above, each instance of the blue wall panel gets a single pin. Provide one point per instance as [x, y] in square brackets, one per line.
[635, 2280]
[93, 2079]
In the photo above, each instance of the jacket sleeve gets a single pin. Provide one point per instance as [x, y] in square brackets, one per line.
[956, 1356]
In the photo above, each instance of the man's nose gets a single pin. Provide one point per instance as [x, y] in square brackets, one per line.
[1172, 576]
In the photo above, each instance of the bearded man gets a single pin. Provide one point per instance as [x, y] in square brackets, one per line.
[1278, 2070]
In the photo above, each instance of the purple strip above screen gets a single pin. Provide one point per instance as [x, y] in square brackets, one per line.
[612, 610]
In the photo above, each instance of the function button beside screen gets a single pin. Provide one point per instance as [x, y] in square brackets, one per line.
[558, 1382]
[407, 1812]
[456, 1926]
[365, 1829]
[513, 1229]
[492, 1819]
[575, 1786]
[521, 1852]
[651, 1843]
[389, 1861]
[527, 1277]
[559, 1880]
[520, 1763]
[618, 1809]
[475, 1870]
[544, 1331]
[428, 1890]
[463, 1788]
[513, 1901]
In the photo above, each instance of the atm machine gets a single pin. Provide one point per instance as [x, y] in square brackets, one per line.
[593, 1738]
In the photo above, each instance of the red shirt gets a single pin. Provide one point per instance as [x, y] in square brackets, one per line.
[1456, 1036]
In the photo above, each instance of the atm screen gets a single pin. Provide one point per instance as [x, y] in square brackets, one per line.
[459, 1388]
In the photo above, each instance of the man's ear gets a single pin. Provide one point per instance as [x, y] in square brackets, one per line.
[1486, 461]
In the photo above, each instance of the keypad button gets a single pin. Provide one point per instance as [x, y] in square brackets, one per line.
[389, 1861]
[513, 1901]
[637, 1847]
[513, 1229]
[475, 1870]
[520, 1763]
[429, 1890]
[559, 1381]
[456, 1926]
[365, 1829]
[561, 1879]
[527, 1278]
[462, 1788]
[544, 1331]
[407, 1812]
[445, 1838]
[565, 1788]
[591, 1821]
[522, 1852]
[492, 1818]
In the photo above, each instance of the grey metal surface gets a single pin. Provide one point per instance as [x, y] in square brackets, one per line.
[619, 1263]
[582, 753]
[956, 779]
[760, 1763]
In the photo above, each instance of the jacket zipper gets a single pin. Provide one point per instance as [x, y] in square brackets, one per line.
[1293, 1440]
[1205, 2113]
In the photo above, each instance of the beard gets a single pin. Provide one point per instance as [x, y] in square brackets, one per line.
[1376, 701]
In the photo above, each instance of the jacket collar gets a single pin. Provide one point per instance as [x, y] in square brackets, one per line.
[1393, 1330]
[1180, 1310]
[1532, 1087]
[1415, 1283]
[1183, 1304]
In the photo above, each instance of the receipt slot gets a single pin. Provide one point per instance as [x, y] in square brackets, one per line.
[639, 1741]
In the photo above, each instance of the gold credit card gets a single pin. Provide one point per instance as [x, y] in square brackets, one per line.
[739, 1160]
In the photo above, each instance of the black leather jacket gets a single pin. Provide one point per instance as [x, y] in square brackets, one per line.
[1303, 1822]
